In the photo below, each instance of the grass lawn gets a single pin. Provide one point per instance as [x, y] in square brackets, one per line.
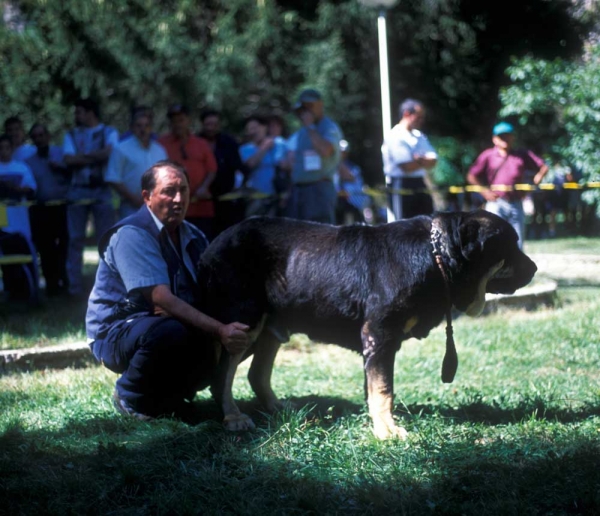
[518, 432]
[573, 245]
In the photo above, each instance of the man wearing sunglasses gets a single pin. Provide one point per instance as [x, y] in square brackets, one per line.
[195, 155]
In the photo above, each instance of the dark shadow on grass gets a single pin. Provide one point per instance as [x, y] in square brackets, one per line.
[314, 406]
[327, 409]
[492, 414]
[137, 468]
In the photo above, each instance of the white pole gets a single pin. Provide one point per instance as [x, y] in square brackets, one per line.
[386, 115]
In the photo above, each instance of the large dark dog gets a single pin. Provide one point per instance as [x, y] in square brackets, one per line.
[364, 288]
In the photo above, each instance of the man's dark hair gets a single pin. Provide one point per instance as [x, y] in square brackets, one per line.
[409, 106]
[257, 118]
[89, 105]
[140, 110]
[5, 138]
[11, 120]
[38, 125]
[209, 112]
[149, 177]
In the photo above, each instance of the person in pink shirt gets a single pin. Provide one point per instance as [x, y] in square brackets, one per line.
[505, 165]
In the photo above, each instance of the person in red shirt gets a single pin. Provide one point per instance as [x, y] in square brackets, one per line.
[504, 165]
[195, 155]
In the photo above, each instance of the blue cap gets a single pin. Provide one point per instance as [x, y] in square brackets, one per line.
[308, 95]
[502, 128]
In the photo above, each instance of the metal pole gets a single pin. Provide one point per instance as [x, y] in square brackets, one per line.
[386, 115]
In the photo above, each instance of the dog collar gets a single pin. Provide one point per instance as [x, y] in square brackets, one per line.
[439, 248]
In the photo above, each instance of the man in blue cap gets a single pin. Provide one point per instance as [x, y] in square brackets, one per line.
[316, 158]
[506, 166]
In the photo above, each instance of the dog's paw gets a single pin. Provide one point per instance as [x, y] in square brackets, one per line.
[238, 422]
[390, 431]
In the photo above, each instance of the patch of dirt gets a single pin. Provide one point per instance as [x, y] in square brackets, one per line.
[568, 269]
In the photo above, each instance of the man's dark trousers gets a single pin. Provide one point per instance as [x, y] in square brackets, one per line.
[161, 361]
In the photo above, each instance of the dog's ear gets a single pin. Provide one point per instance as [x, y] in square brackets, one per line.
[471, 245]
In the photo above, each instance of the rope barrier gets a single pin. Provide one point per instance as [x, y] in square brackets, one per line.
[367, 190]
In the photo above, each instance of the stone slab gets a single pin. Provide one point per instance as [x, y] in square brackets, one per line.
[52, 357]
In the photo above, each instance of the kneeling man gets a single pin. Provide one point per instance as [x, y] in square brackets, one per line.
[141, 319]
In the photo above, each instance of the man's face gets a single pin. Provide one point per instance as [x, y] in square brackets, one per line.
[170, 197]
[80, 116]
[504, 141]
[5, 151]
[16, 133]
[316, 108]
[255, 131]
[416, 118]
[275, 128]
[211, 126]
[40, 137]
[180, 124]
[142, 128]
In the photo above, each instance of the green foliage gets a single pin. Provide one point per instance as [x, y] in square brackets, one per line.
[241, 56]
[560, 101]
[454, 160]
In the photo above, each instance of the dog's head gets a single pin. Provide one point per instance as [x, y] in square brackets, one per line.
[481, 254]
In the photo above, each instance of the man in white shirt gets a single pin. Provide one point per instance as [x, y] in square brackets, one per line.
[128, 162]
[407, 157]
[86, 150]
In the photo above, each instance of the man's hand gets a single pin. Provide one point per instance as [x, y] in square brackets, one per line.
[202, 193]
[489, 195]
[267, 144]
[234, 337]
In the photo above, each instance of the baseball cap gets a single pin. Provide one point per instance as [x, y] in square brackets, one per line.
[502, 128]
[177, 109]
[308, 95]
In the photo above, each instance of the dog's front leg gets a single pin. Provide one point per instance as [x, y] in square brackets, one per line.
[233, 420]
[379, 375]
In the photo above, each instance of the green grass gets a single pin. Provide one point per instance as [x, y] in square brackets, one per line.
[516, 433]
[572, 245]
[55, 322]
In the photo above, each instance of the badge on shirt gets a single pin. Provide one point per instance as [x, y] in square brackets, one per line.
[312, 161]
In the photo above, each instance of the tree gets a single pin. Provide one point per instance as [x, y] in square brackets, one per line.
[559, 101]
[243, 56]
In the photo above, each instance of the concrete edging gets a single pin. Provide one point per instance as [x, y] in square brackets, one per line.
[77, 354]
[529, 297]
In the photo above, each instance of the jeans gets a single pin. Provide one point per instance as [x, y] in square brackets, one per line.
[77, 218]
[313, 201]
[512, 212]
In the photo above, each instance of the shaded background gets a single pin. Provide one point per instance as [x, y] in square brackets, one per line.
[244, 56]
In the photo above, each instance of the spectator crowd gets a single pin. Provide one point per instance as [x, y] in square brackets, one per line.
[51, 195]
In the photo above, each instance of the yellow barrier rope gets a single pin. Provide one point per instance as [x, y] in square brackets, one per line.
[367, 190]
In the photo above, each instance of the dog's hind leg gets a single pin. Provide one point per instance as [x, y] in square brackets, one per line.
[233, 419]
[259, 375]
